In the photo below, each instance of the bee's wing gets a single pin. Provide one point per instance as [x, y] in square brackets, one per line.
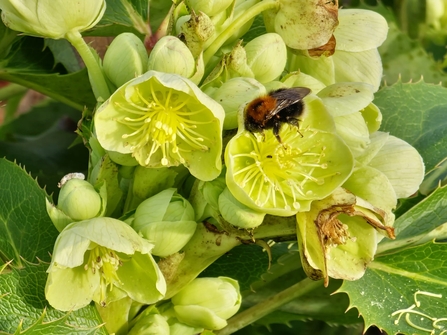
[286, 97]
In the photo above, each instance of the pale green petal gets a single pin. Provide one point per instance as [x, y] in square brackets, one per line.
[373, 186]
[152, 209]
[182, 329]
[260, 52]
[71, 289]
[353, 130]
[373, 117]
[321, 68]
[51, 18]
[170, 55]
[300, 79]
[111, 233]
[168, 237]
[377, 141]
[142, 279]
[349, 261]
[346, 98]
[304, 25]
[153, 324]
[360, 30]
[238, 214]
[402, 164]
[59, 218]
[364, 66]
[129, 52]
[198, 316]
[311, 248]
[69, 249]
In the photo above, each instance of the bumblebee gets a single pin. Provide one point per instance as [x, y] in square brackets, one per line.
[272, 110]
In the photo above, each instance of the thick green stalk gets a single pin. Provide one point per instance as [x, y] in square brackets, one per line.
[201, 251]
[95, 73]
[269, 305]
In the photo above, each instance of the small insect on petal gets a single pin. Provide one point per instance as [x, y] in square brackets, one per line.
[73, 175]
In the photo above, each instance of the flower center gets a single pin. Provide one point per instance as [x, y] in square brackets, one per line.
[162, 124]
[280, 175]
[107, 263]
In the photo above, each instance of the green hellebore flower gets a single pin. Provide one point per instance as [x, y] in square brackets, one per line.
[260, 52]
[167, 220]
[282, 179]
[125, 58]
[51, 18]
[163, 120]
[338, 236]
[207, 302]
[94, 258]
[303, 25]
[170, 55]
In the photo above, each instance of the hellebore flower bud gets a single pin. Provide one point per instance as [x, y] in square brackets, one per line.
[170, 55]
[207, 302]
[167, 220]
[125, 59]
[51, 18]
[78, 200]
[260, 53]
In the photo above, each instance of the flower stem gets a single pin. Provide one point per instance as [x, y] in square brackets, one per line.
[95, 73]
[236, 24]
[205, 247]
[269, 305]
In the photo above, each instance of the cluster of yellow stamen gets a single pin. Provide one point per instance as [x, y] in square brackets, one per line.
[106, 262]
[162, 125]
[277, 175]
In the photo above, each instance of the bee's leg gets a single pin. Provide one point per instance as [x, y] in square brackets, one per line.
[276, 128]
[295, 122]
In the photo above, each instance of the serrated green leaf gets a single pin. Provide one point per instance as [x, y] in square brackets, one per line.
[413, 226]
[416, 114]
[42, 140]
[396, 282]
[26, 231]
[63, 53]
[244, 263]
[32, 65]
[406, 59]
[122, 16]
[22, 302]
